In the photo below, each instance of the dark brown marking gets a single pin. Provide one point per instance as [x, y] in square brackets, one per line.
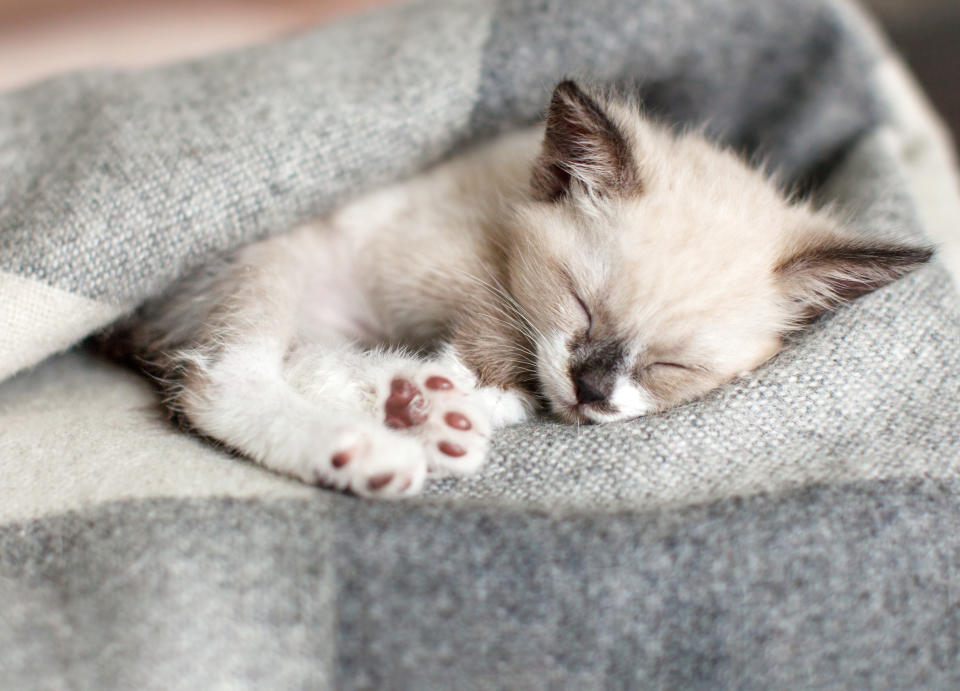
[451, 449]
[457, 420]
[340, 459]
[581, 141]
[379, 481]
[836, 271]
[594, 370]
[439, 383]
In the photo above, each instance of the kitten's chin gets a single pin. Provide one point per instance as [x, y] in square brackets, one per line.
[596, 418]
[569, 413]
[584, 415]
[628, 401]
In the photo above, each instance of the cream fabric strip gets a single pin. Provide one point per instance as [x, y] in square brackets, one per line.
[37, 320]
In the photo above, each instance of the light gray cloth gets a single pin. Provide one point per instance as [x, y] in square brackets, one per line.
[799, 528]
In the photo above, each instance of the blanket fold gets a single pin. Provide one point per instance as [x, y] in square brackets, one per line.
[112, 185]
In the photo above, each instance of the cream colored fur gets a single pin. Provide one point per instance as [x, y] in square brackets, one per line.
[604, 268]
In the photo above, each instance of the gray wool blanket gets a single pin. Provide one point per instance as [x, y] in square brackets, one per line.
[799, 528]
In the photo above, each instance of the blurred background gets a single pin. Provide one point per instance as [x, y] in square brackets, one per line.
[927, 33]
[39, 38]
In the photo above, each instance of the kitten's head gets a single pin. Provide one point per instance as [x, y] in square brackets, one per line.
[654, 267]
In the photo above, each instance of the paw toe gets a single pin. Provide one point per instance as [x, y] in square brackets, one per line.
[438, 383]
[378, 482]
[457, 420]
[341, 458]
[450, 449]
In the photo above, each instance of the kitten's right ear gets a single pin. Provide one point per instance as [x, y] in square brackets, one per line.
[582, 144]
[831, 271]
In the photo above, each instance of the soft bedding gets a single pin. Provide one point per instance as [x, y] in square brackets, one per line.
[799, 528]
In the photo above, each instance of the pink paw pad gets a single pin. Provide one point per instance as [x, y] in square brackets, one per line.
[457, 421]
[340, 459]
[439, 384]
[451, 449]
[405, 406]
[379, 481]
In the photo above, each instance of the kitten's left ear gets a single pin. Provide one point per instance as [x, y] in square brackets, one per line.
[582, 143]
[833, 270]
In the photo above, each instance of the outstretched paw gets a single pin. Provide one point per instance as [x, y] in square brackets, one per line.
[453, 429]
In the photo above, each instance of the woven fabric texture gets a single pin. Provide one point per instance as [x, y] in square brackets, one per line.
[797, 529]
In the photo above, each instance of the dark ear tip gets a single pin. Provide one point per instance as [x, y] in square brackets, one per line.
[922, 255]
[568, 88]
[909, 257]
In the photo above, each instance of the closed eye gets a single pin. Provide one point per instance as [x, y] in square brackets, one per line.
[586, 311]
[670, 365]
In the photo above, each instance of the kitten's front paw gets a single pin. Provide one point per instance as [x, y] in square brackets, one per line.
[453, 429]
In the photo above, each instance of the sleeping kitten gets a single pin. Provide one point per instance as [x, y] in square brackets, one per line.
[601, 267]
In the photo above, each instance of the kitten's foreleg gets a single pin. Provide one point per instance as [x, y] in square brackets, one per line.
[375, 422]
[245, 400]
[231, 382]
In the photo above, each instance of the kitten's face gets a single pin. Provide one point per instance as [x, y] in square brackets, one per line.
[653, 268]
